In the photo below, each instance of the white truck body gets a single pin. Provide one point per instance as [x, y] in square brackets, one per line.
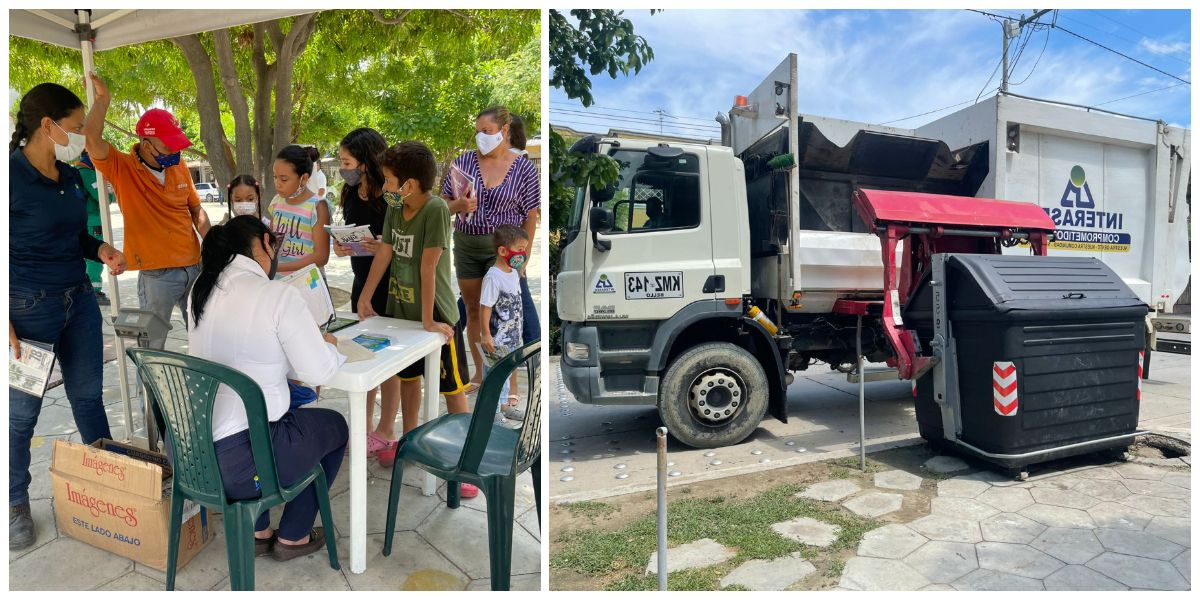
[1131, 210]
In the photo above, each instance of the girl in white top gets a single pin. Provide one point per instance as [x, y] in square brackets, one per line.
[241, 318]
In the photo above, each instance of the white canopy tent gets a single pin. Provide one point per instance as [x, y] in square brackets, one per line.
[103, 29]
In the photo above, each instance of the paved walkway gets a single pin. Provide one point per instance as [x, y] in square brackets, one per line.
[435, 548]
[1118, 527]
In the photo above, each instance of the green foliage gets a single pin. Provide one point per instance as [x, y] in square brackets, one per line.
[424, 78]
[589, 509]
[605, 42]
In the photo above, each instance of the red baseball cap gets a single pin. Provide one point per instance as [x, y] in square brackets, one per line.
[164, 126]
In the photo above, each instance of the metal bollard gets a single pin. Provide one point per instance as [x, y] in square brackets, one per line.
[862, 403]
[662, 509]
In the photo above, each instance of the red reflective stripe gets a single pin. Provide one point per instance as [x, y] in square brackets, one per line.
[1004, 372]
[1004, 391]
[1005, 410]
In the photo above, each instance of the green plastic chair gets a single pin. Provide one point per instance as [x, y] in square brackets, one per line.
[472, 448]
[184, 390]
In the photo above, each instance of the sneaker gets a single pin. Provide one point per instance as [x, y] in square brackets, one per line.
[285, 552]
[514, 413]
[21, 534]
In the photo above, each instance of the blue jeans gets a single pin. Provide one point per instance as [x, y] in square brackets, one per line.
[302, 438]
[69, 320]
[531, 327]
[161, 290]
[503, 399]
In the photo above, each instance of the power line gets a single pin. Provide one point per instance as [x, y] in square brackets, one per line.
[638, 130]
[1122, 38]
[937, 109]
[1175, 85]
[609, 121]
[627, 110]
[634, 120]
[1039, 59]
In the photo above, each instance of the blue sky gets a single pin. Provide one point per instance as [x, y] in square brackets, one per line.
[878, 66]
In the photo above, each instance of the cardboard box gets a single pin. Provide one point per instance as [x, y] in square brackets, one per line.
[118, 497]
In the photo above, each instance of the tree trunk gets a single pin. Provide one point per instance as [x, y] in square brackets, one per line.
[264, 75]
[243, 144]
[287, 51]
[212, 132]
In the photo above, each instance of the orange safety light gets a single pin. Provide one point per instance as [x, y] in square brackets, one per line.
[740, 101]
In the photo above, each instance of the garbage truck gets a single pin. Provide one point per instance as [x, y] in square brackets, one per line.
[707, 275]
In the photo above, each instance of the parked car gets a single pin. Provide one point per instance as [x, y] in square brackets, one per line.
[208, 192]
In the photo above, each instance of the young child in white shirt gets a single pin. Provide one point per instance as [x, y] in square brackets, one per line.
[500, 304]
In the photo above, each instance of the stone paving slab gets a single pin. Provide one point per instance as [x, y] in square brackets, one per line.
[1057, 516]
[874, 504]
[943, 562]
[1080, 578]
[897, 480]
[985, 580]
[1183, 564]
[864, 573]
[1072, 546]
[1102, 489]
[1138, 572]
[1119, 516]
[700, 553]
[1010, 527]
[1175, 529]
[770, 575]
[961, 488]
[830, 491]
[947, 529]
[808, 531]
[1138, 543]
[1006, 499]
[890, 541]
[945, 464]
[962, 508]
[1016, 559]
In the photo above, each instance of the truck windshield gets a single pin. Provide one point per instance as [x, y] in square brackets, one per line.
[653, 192]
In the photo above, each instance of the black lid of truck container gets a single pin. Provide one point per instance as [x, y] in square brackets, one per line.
[1018, 282]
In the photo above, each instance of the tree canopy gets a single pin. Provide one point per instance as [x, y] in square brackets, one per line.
[310, 79]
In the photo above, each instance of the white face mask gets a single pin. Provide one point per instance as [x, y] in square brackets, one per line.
[244, 208]
[487, 142]
[74, 147]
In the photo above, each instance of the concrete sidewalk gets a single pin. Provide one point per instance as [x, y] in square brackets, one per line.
[435, 548]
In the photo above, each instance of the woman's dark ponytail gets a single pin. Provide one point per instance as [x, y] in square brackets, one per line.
[221, 245]
[44, 100]
[516, 132]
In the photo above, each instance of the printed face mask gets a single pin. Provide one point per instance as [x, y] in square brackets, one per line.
[72, 149]
[244, 208]
[351, 176]
[393, 199]
[516, 259]
[487, 142]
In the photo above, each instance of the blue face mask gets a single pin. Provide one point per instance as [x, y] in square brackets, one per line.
[167, 160]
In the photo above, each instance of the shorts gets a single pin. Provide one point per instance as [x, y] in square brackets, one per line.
[473, 255]
[454, 366]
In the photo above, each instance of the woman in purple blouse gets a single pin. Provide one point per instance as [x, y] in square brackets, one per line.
[506, 191]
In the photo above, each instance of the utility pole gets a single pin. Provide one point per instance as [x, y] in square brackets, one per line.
[1012, 28]
[660, 112]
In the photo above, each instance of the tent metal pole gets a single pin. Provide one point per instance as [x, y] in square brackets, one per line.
[114, 290]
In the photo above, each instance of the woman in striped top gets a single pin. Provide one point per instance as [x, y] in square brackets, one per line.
[506, 191]
[297, 215]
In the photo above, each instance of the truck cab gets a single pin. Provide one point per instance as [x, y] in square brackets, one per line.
[661, 255]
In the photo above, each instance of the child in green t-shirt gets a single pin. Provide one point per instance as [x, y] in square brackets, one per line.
[416, 243]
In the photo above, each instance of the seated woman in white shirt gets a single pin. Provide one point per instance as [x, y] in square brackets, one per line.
[243, 319]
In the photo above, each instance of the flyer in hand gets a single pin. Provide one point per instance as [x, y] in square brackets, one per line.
[460, 182]
[311, 285]
[352, 237]
[31, 373]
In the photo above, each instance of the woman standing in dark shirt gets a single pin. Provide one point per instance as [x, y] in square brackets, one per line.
[362, 204]
[50, 297]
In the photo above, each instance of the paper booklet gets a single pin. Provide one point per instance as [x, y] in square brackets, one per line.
[352, 237]
[354, 352]
[31, 373]
[460, 182]
[312, 287]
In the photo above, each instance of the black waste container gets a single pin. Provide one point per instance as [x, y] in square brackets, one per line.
[1048, 354]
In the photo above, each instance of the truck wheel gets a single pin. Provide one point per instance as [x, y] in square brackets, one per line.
[713, 395]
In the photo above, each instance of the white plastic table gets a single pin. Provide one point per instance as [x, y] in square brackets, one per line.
[410, 343]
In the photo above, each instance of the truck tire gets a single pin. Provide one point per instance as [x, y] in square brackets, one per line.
[713, 395]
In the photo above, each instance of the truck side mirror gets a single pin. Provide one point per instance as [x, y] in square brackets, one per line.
[601, 220]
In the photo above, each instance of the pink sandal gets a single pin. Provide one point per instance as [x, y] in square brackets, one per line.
[376, 443]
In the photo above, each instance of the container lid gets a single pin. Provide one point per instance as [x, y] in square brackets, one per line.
[1018, 282]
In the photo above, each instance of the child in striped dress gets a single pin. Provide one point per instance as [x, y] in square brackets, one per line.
[297, 215]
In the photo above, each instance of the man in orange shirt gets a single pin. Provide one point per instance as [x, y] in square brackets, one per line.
[158, 202]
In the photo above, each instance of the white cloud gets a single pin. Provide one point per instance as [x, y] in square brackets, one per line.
[1158, 47]
[872, 66]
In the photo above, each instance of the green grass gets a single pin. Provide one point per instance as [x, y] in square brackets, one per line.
[589, 509]
[835, 567]
[744, 525]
